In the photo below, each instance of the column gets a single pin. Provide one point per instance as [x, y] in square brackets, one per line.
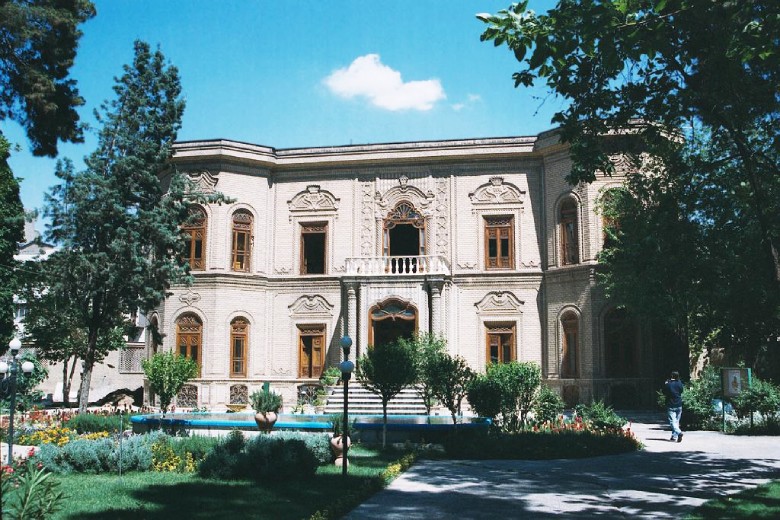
[436, 313]
[352, 318]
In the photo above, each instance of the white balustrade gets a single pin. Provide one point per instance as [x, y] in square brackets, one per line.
[398, 265]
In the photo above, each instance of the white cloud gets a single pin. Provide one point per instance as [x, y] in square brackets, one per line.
[368, 77]
[471, 99]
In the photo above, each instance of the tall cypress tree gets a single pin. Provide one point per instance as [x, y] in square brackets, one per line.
[116, 222]
[11, 233]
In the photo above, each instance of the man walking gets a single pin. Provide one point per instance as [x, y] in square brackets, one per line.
[673, 389]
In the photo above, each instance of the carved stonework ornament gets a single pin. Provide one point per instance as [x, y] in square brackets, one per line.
[313, 199]
[204, 180]
[622, 164]
[404, 192]
[310, 306]
[190, 297]
[467, 265]
[499, 302]
[282, 270]
[280, 371]
[497, 191]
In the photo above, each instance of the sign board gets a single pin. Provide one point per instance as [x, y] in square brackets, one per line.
[733, 380]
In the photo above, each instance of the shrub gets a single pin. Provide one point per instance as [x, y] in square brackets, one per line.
[197, 446]
[285, 456]
[517, 384]
[557, 443]
[318, 444]
[599, 415]
[29, 492]
[448, 378]
[93, 423]
[548, 405]
[225, 461]
[698, 413]
[98, 456]
[268, 457]
[762, 397]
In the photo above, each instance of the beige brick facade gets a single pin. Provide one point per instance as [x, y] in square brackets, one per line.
[441, 277]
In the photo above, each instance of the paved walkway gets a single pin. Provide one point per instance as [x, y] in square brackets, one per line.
[665, 480]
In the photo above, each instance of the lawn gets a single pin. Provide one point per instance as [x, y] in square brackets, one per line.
[760, 502]
[169, 496]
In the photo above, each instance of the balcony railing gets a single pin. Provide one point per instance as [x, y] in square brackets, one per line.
[398, 265]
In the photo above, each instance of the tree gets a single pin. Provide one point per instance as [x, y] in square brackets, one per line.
[449, 378]
[39, 40]
[11, 233]
[425, 347]
[654, 76]
[385, 371]
[53, 325]
[118, 226]
[167, 373]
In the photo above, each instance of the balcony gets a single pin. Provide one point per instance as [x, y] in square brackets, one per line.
[398, 265]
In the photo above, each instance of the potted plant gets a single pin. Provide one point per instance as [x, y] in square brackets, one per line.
[266, 405]
[337, 441]
[330, 376]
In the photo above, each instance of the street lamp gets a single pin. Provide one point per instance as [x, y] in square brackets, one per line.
[346, 368]
[9, 372]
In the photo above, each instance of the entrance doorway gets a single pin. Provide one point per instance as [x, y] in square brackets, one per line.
[390, 320]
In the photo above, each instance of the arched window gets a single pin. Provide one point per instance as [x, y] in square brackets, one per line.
[620, 344]
[195, 239]
[239, 342]
[570, 247]
[570, 336]
[242, 240]
[189, 335]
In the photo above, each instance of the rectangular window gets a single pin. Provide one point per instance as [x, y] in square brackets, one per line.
[313, 241]
[238, 356]
[311, 346]
[499, 243]
[500, 342]
[240, 250]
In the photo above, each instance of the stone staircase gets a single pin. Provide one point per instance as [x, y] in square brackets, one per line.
[364, 402]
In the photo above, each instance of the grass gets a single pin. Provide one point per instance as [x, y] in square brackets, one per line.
[760, 502]
[169, 496]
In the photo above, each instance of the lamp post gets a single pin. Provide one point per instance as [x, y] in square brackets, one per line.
[346, 368]
[9, 372]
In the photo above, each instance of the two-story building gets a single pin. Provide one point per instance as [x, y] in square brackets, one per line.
[482, 241]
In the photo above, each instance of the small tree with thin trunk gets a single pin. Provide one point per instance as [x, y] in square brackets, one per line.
[449, 378]
[426, 347]
[385, 371]
[167, 373]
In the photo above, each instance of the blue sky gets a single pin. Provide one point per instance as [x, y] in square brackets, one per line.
[308, 73]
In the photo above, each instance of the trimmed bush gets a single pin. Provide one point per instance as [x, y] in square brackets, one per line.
[318, 444]
[484, 396]
[529, 445]
[264, 457]
[762, 397]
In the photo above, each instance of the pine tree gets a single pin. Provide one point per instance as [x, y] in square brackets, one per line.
[116, 222]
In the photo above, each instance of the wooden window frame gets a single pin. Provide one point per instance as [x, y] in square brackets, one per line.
[239, 331]
[189, 328]
[568, 229]
[314, 228]
[242, 233]
[310, 370]
[497, 331]
[497, 229]
[191, 229]
[570, 345]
